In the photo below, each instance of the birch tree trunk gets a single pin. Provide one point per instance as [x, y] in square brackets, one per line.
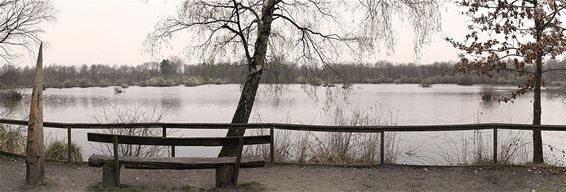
[247, 98]
[255, 68]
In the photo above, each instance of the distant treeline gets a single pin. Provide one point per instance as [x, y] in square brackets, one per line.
[171, 73]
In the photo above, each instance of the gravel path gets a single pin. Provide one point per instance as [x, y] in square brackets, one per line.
[79, 177]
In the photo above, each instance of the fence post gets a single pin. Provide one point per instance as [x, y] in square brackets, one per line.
[494, 145]
[382, 148]
[69, 142]
[164, 132]
[272, 145]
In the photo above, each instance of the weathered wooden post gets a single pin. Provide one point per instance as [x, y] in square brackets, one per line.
[69, 144]
[382, 148]
[494, 145]
[164, 132]
[35, 159]
[272, 145]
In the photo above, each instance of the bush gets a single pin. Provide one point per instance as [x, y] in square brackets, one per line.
[57, 150]
[316, 81]
[10, 96]
[488, 93]
[68, 84]
[217, 81]
[104, 83]
[11, 140]
[159, 82]
[425, 83]
[84, 83]
[194, 81]
[301, 80]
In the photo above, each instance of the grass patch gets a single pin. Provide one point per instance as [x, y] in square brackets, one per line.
[57, 150]
[11, 140]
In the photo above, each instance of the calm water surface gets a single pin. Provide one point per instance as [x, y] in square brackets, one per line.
[406, 104]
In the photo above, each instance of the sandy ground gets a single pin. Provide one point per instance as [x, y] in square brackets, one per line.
[79, 177]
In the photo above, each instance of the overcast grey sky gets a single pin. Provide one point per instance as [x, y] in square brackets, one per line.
[113, 32]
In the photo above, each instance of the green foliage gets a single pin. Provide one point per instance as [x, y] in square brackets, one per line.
[57, 150]
[11, 140]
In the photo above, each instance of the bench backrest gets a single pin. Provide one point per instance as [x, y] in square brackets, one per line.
[178, 141]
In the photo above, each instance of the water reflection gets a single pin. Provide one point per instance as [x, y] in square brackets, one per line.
[175, 104]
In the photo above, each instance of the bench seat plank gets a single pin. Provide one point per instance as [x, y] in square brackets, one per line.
[175, 162]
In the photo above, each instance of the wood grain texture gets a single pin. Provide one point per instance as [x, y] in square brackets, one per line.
[178, 141]
[176, 162]
[35, 158]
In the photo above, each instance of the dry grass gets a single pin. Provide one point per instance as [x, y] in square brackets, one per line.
[11, 140]
[132, 114]
[334, 148]
[57, 150]
[478, 149]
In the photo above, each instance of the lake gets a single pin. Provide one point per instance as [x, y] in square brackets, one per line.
[387, 104]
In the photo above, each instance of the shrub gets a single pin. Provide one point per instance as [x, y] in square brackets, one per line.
[398, 81]
[316, 81]
[57, 150]
[217, 81]
[11, 140]
[425, 83]
[488, 94]
[159, 82]
[68, 84]
[301, 80]
[10, 96]
[84, 83]
[194, 81]
[104, 83]
[133, 114]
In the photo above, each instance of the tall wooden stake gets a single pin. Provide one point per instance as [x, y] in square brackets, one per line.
[35, 159]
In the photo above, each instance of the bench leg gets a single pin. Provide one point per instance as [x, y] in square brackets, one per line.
[110, 176]
[225, 176]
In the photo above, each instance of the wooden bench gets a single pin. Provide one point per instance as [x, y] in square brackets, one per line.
[112, 164]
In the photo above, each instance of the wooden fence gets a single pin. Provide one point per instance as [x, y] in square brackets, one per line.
[296, 127]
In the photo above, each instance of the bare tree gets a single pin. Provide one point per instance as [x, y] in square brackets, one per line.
[134, 113]
[305, 31]
[20, 24]
[514, 35]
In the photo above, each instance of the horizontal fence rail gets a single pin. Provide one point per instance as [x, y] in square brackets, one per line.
[296, 127]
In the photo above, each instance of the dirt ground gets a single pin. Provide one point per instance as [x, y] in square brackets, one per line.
[80, 177]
